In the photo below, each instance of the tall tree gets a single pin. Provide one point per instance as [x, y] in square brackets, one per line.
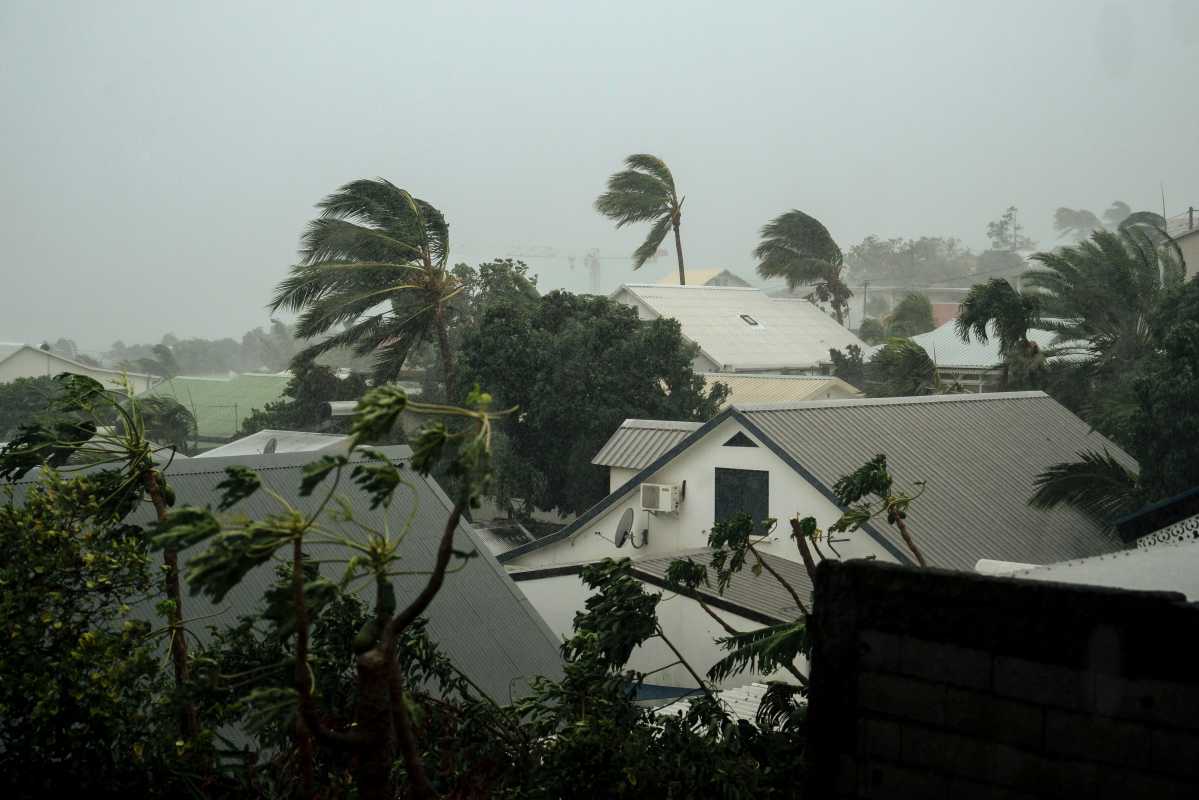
[645, 192]
[798, 248]
[1007, 234]
[911, 317]
[996, 309]
[374, 264]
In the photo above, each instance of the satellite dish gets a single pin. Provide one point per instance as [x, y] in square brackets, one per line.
[271, 444]
[624, 527]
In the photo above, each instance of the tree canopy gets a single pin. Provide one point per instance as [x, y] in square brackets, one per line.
[576, 367]
[645, 192]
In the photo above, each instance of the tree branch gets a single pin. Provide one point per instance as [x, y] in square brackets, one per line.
[790, 590]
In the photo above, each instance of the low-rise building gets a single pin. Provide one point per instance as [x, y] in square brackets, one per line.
[743, 330]
[23, 361]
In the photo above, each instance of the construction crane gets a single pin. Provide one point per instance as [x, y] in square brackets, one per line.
[592, 260]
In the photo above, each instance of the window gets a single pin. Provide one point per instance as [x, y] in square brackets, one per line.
[742, 491]
[739, 439]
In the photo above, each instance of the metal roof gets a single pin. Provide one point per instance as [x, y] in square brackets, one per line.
[285, 442]
[1164, 567]
[746, 329]
[978, 454]
[8, 349]
[741, 702]
[745, 388]
[701, 277]
[947, 349]
[754, 593]
[637, 443]
[480, 619]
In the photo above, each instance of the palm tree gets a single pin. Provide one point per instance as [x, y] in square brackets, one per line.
[996, 309]
[645, 192]
[1097, 484]
[798, 248]
[374, 265]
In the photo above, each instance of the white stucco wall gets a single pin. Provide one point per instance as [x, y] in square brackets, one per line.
[30, 362]
[1189, 245]
[687, 529]
[684, 622]
[619, 476]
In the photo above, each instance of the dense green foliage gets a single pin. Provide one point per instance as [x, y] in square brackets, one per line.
[909, 262]
[912, 316]
[577, 367]
[22, 401]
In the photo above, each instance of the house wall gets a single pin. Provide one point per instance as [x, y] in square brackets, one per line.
[928, 683]
[687, 529]
[31, 362]
[558, 598]
[1189, 245]
[619, 476]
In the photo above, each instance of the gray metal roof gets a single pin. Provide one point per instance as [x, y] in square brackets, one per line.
[741, 703]
[978, 453]
[756, 593]
[637, 443]
[947, 350]
[480, 618]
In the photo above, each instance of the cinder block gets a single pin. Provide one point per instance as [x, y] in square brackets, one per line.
[879, 738]
[1043, 684]
[1175, 753]
[1097, 738]
[1155, 702]
[945, 752]
[994, 718]
[878, 651]
[947, 663]
[902, 697]
[889, 782]
[1029, 772]
[1116, 783]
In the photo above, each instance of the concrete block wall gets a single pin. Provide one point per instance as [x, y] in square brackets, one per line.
[935, 684]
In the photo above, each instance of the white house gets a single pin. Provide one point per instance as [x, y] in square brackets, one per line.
[977, 454]
[743, 330]
[23, 361]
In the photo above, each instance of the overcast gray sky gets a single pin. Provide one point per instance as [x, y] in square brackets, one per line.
[159, 160]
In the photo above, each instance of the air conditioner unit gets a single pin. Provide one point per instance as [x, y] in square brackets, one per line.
[661, 497]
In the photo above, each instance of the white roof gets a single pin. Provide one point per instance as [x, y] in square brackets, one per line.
[745, 329]
[741, 702]
[8, 349]
[748, 388]
[947, 349]
[285, 442]
[1162, 568]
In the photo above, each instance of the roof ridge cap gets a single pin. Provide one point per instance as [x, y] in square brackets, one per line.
[971, 397]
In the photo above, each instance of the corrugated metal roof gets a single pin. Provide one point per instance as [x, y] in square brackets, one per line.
[285, 442]
[947, 349]
[740, 329]
[480, 619]
[637, 443]
[745, 388]
[760, 593]
[741, 703]
[978, 454]
[1164, 567]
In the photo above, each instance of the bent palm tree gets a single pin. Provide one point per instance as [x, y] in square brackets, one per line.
[798, 248]
[1096, 484]
[374, 263]
[645, 192]
[996, 309]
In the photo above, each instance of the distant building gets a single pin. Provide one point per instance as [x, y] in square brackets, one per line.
[748, 388]
[704, 277]
[978, 367]
[743, 330]
[268, 442]
[23, 361]
[1185, 230]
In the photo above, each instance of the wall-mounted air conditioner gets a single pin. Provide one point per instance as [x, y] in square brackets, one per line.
[661, 497]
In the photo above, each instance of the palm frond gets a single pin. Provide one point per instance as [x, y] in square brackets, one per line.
[996, 306]
[653, 241]
[652, 165]
[764, 650]
[1096, 484]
